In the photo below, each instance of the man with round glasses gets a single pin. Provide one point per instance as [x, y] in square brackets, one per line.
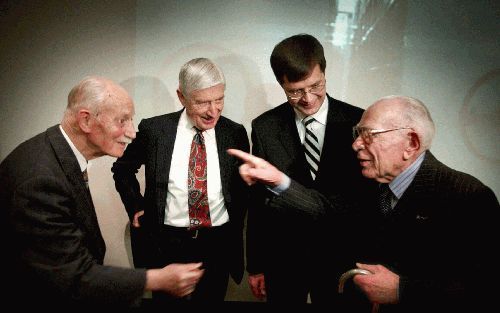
[308, 138]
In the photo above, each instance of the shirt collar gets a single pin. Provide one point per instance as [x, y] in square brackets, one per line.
[84, 164]
[186, 123]
[399, 184]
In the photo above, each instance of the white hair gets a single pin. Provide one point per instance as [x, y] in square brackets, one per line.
[199, 73]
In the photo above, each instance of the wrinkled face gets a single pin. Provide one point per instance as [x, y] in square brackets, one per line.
[382, 157]
[113, 127]
[204, 106]
[311, 92]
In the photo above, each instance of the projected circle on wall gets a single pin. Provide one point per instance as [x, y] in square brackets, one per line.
[480, 117]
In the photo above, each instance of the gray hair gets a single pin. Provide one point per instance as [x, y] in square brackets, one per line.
[89, 93]
[199, 73]
[415, 114]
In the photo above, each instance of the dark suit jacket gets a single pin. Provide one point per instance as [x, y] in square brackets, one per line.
[439, 238]
[53, 246]
[153, 148]
[276, 238]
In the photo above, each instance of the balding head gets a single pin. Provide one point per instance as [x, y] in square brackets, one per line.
[392, 133]
[402, 111]
[93, 92]
[98, 117]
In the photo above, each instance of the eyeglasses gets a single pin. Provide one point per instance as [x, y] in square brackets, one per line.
[204, 105]
[367, 134]
[299, 93]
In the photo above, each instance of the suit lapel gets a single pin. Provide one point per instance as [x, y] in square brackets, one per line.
[289, 135]
[290, 140]
[224, 165]
[85, 210]
[337, 136]
[165, 147]
[420, 189]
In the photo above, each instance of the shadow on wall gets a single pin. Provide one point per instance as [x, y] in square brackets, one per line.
[151, 96]
[245, 96]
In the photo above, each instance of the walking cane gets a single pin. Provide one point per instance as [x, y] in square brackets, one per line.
[351, 273]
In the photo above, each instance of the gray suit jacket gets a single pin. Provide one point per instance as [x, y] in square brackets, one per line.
[55, 248]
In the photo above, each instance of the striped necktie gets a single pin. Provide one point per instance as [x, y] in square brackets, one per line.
[311, 147]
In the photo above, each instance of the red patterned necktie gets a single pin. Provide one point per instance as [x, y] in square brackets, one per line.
[199, 212]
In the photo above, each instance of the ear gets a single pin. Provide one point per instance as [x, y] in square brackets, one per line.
[413, 145]
[83, 117]
[181, 97]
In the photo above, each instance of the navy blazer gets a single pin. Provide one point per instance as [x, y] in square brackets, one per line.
[54, 245]
[153, 148]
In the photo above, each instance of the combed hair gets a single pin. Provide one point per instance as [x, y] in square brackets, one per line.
[89, 93]
[199, 73]
[416, 115]
[295, 57]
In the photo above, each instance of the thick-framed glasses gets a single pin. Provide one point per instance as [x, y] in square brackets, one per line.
[299, 93]
[367, 134]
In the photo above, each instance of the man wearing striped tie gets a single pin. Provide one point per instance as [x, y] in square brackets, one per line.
[308, 138]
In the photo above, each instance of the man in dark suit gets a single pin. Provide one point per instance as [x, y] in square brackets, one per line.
[165, 145]
[284, 249]
[433, 242]
[53, 248]
[428, 240]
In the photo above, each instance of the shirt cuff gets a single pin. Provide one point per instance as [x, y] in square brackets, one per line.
[281, 187]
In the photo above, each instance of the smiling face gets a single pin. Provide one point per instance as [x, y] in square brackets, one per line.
[204, 106]
[309, 103]
[112, 127]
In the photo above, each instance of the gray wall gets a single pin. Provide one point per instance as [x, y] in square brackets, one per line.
[445, 53]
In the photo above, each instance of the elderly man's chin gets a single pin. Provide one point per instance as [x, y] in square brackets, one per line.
[368, 173]
[118, 151]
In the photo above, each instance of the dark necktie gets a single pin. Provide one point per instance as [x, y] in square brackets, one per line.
[199, 212]
[86, 178]
[385, 199]
[311, 147]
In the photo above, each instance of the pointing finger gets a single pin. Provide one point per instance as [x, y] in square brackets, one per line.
[246, 157]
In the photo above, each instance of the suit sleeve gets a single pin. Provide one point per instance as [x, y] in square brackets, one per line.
[255, 237]
[55, 251]
[125, 169]
[310, 202]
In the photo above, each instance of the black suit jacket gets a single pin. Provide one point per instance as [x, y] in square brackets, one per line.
[289, 237]
[153, 148]
[440, 238]
[53, 245]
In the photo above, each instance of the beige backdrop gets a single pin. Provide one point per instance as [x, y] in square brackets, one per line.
[444, 52]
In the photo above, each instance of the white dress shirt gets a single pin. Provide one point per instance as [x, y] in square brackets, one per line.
[176, 210]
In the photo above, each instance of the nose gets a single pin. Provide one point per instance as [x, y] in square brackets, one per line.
[130, 130]
[306, 96]
[358, 144]
[213, 107]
